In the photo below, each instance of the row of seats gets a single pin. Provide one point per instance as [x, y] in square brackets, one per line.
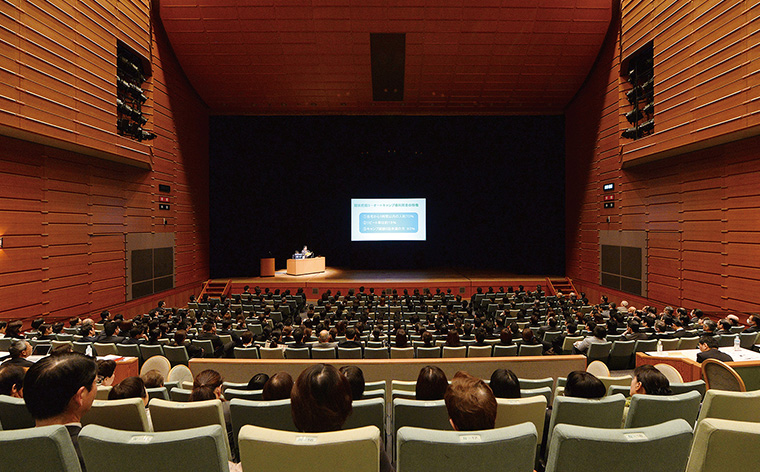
[670, 446]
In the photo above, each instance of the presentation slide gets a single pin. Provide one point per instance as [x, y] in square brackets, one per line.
[388, 219]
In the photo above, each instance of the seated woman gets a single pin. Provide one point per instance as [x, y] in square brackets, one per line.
[106, 369]
[452, 339]
[131, 387]
[647, 380]
[208, 386]
[401, 339]
[581, 384]
[278, 387]
[427, 339]
[529, 338]
[431, 383]
[321, 402]
[505, 384]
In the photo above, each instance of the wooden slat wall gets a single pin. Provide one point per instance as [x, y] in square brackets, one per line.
[705, 72]
[701, 209]
[58, 69]
[64, 215]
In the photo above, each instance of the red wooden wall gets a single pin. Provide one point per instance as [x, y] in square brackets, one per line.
[700, 208]
[63, 213]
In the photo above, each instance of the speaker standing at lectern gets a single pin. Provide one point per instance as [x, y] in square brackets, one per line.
[306, 253]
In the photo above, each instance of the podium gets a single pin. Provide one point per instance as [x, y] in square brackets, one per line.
[267, 267]
[313, 265]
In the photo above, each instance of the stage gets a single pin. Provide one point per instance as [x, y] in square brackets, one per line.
[462, 282]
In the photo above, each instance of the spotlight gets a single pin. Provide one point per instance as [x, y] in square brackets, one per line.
[647, 126]
[633, 116]
[649, 109]
[633, 95]
[631, 133]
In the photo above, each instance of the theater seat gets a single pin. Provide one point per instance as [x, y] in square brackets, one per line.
[125, 414]
[47, 448]
[13, 413]
[271, 450]
[606, 412]
[109, 450]
[509, 449]
[648, 410]
[721, 445]
[172, 416]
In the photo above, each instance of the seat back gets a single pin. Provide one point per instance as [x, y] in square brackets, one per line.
[531, 350]
[660, 448]
[606, 412]
[265, 414]
[178, 394]
[295, 352]
[670, 344]
[177, 355]
[504, 351]
[689, 343]
[644, 345]
[428, 352]
[721, 445]
[248, 353]
[513, 411]
[727, 340]
[567, 343]
[727, 405]
[599, 352]
[526, 384]
[479, 351]
[147, 351]
[408, 385]
[126, 414]
[243, 394]
[624, 381]
[545, 392]
[648, 410]
[459, 351]
[285, 451]
[697, 385]
[508, 449]
[598, 368]
[402, 353]
[420, 414]
[180, 373]
[128, 350]
[349, 353]
[13, 413]
[172, 416]
[670, 372]
[105, 349]
[103, 391]
[719, 375]
[748, 340]
[207, 345]
[367, 412]
[159, 363]
[47, 448]
[376, 353]
[158, 392]
[323, 353]
[271, 353]
[110, 450]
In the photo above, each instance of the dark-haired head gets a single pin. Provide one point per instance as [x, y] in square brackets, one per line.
[131, 387]
[258, 381]
[648, 380]
[278, 387]
[471, 405]
[431, 383]
[320, 400]
[581, 384]
[52, 382]
[207, 386]
[505, 384]
[355, 378]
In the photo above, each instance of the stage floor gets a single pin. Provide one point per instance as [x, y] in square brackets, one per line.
[461, 281]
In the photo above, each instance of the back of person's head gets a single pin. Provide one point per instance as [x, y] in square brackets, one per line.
[51, 382]
[13, 329]
[297, 334]
[12, 381]
[17, 348]
[257, 381]
[600, 332]
[581, 384]
[37, 323]
[351, 333]
[709, 341]
[470, 403]
[131, 387]
[179, 337]
[205, 386]
[278, 387]
[247, 337]
[110, 327]
[320, 400]
[710, 325]
[431, 383]
[401, 339]
[153, 379]
[106, 369]
[505, 384]
[647, 379]
[355, 378]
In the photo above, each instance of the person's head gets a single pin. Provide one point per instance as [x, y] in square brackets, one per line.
[355, 378]
[351, 334]
[207, 386]
[505, 384]
[153, 379]
[452, 338]
[581, 384]
[12, 381]
[106, 369]
[258, 381]
[60, 389]
[131, 387]
[600, 332]
[324, 336]
[470, 403]
[754, 320]
[247, 337]
[431, 383]
[111, 328]
[19, 349]
[709, 326]
[278, 387]
[707, 342]
[650, 381]
[320, 400]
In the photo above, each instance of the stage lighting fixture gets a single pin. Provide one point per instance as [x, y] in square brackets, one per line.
[649, 108]
[647, 126]
[631, 133]
[633, 95]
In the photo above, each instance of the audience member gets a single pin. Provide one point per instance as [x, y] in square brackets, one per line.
[431, 383]
[131, 387]
[258, 381]
[153, 379]
[708, 345]
[12, 381]
[278, 387]
[505, 384]
[470, 403]
[648, 380]
[355, 378]
[600, 332]
[19, 351]
[581, 384]
[106, 372]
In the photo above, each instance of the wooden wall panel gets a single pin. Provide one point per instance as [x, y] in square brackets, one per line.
[63, 214]
[705, 74]
[700, 209]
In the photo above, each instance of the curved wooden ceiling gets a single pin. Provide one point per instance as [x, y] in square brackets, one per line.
[313, 56]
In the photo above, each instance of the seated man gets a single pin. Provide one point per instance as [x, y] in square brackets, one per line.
[221, 349]
[12, 381]
[600, 332]
[19, 351]
[60, 390]
[470, 403]
[351, 341]
[708, 344]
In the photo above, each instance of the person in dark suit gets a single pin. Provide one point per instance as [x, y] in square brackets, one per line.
[709, 347]
[227, 329]
[19, 351]
[220, 349]
[110, 334]
[634, 333]
[60, 390]
[350, 341]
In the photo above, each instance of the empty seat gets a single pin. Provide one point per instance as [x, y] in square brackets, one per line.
[172, 416]
[47, 448]
[508, 449]
[367, 412]
[176, 355]
[110, 450]
[177, 394]
[697, 385]
[648, 410]
[599, 352]
[514, 411]
[180, 373]
[624, 381]
[158, 392]
[159, 363]
[285, 451]
[428, 352]
[598, 368]
[105, 349]
[266, 414]
[719, 375]
[126, 414]
[689, 343]
[621, 354]
[727, 405]
[661, 448]
[670, 372]
[147, 351]
[721, 445]
[420, 414]
[606, 412]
